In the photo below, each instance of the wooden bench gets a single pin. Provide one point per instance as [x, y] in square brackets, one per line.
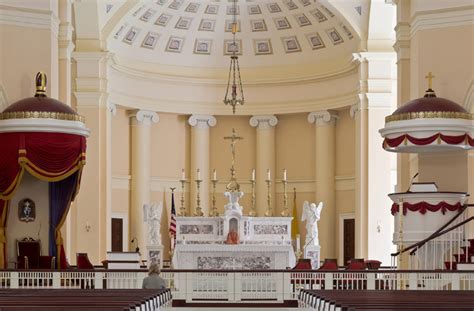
[387, 300]
[78, 299]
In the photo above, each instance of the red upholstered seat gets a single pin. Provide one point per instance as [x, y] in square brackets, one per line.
[83, 261]
[329, 264]
[29, 255]
[372, 264]
[356, 264]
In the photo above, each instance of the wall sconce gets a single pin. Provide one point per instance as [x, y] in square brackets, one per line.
[88, 226]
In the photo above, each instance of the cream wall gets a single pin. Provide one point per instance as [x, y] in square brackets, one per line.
[38, 191]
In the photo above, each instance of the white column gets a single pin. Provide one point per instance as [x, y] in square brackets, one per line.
[265, 160]
[374, 223]
[200, 158]
[325, 153]
[141, 122]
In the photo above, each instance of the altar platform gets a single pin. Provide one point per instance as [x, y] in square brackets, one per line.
[264, 243]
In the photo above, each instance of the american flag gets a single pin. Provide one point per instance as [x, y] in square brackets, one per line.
[173, 217]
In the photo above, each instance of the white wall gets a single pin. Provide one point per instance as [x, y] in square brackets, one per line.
[36, 190]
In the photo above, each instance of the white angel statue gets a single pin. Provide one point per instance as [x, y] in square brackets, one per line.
[312, 214]
[152, 216]
[233, 205]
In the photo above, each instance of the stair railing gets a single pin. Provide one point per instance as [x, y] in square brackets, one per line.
[444, 246]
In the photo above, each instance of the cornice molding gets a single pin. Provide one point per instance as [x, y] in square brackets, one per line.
[442, 18]
[202, 121]
[184, 107]
[3, 98]
[323, 118]
[112, 108]
[31, 18]
[468, 102]
[263, 122]
[189, 75]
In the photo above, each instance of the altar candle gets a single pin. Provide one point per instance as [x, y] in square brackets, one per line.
[198, 174]
[183, 177]
[214, 175]
[297, 243]
[284, 174]
[268, 174]
[253, 175]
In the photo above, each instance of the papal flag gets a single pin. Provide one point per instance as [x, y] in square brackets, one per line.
[295, 230]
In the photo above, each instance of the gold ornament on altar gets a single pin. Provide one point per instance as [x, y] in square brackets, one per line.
[233, 185]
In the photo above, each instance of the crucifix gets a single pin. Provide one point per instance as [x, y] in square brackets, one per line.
[430, 77]
[233, 140]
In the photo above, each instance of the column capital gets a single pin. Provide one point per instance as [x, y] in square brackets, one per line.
[323, 117]
[143, 117]
[263, 121]
[202, 121]
[112, 107]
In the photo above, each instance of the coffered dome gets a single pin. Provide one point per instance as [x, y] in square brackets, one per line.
[198, 33]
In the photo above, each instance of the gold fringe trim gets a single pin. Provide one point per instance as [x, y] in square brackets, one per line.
[429, 115]
[41, 115]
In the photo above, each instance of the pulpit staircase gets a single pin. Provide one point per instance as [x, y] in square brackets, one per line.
[448, 248]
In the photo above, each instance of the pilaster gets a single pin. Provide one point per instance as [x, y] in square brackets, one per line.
[265, 160]
[200, 159]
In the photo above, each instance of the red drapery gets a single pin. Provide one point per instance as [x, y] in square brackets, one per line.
[423, 207]
[47, 156]
[451, 140]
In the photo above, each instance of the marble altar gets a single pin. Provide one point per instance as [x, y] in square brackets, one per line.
[265, 242]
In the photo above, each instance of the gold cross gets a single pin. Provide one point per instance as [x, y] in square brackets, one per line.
[233, 139]
[430, 79]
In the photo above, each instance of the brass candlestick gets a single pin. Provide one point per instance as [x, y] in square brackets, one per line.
[198, 211]
[253, 211]
[285, 212]
[182, 209]
[214, 207]
[269, 211]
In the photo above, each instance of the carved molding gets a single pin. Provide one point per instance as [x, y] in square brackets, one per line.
[112, 108]
[468, 98]
[323, 118]
[354, 110]
[263, 122]
[144, 117]
[3, 99]
[28, 17]
[202, 121]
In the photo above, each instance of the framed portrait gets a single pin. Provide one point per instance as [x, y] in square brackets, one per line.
[291, 44]
[262, 46]
[26, 210]
[202, 46]
[175, 44]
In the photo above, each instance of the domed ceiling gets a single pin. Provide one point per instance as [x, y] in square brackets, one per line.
[198, 33]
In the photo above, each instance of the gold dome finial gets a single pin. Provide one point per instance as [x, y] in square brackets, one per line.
[41, 81]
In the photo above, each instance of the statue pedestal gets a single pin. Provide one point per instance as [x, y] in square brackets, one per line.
[312, 252]
[154, 253]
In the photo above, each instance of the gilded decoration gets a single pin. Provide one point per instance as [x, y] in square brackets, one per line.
[429, 115]
[41, 115]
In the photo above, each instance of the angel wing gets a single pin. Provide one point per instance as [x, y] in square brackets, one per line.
[319, 209]
[305, 210]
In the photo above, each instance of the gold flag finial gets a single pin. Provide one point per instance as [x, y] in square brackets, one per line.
[41, 81]
[430, 77]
